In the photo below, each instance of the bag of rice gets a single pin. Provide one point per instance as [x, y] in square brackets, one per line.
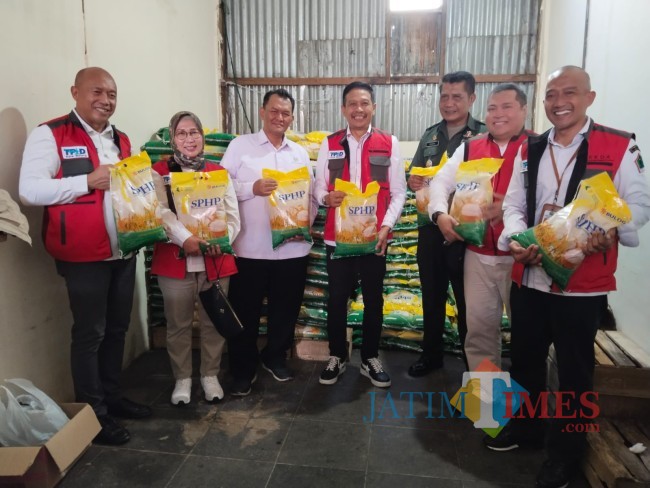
[290, 203]
[356, 220]
[199, 198]
[562, 237]
[473, 193]
[135, 205]
[422, 195]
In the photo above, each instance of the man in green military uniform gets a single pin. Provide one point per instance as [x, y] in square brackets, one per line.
[440, 262]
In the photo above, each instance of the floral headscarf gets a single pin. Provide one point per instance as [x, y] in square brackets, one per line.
[196, 163]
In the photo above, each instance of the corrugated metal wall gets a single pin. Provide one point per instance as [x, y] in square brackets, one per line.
[346, 38]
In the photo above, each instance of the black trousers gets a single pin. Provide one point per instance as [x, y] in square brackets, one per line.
[540, 319]
[438, 265]
[101, 298]
[283, 283]
[344, 274]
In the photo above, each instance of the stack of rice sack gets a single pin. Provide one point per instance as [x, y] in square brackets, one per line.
[310, 141]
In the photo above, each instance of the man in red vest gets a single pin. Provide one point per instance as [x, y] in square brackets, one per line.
[359, 154]
[66, 168]
[545, 177]
[487, 269]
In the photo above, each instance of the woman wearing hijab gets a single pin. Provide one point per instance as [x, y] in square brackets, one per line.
[182, 277]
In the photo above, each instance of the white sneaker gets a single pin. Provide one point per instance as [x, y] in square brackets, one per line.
[182, 391]
[211, 388]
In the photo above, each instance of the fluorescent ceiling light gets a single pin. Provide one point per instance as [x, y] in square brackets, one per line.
[413, 5]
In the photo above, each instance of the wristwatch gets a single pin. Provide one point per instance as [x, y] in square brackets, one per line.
[434, 217]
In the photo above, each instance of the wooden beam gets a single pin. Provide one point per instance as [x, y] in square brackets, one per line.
[616, 444]
[631, 348]
[602, 359]
[613, 351]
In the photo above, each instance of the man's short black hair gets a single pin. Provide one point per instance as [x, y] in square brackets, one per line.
[282, 93]
[461, 77]
[520, 96]
[360, 85]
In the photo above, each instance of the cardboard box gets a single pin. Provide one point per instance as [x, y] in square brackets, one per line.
[44, 466]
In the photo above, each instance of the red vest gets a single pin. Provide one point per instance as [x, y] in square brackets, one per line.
[375, 166]
[483, 146]
[76, 231]
[166, 259]
[602, 150]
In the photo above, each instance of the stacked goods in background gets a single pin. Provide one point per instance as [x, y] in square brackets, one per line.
[158, 149]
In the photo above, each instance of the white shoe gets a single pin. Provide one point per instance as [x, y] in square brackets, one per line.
[182, 391]
[211, 388]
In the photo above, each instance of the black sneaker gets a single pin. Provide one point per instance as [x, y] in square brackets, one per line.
[242, 386]
[507, 440]
[555, 474]
[372, 368]
[424, 365]
[335, 368]
[280, 373]
[112, 433]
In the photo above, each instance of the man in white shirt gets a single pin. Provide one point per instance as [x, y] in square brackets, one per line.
[279, 274]
[359, 154]
[66, 169]
[546, 176]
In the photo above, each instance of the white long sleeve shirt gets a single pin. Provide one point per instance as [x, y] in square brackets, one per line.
[178, 233]
[630, 182]
[38, 183]
[396, 175]
[244, 159]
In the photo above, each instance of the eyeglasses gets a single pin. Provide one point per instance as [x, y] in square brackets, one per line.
[182, 135]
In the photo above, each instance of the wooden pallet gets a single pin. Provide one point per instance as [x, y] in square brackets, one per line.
[609, 463]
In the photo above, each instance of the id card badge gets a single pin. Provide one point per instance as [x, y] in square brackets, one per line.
[548, 210]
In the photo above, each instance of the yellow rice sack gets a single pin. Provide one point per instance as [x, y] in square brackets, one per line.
[135, 205]
[563, 237]
[422, 195]
[356, 220]
[289, 205]
[473, 194]
[199, 198]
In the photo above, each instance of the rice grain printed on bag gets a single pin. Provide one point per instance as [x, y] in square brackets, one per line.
[289, 205]
[356, 220]
[199, 198]
[135, 205]
[563, 237]
[473, 193]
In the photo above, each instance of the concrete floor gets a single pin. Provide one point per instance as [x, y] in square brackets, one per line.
[301, 433]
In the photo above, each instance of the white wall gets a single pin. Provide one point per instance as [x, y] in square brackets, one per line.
[163, 55]
[616, 44]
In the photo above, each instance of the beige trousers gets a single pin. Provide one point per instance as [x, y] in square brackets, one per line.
[487, 290]
[180, 297]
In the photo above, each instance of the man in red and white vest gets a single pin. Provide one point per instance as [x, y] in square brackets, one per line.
[487, 270]
[545, 177]
[66, 169]
[359, 154]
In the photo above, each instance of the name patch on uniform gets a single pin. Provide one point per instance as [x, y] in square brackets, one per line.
[74, 152]
[337, 154]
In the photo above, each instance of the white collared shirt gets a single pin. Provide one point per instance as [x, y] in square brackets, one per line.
[396, 175]
[39, 185]
[244, 159]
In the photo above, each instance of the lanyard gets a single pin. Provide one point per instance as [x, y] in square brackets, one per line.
[559, 178]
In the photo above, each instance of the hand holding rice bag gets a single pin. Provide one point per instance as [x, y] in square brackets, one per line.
[473, 194]
[135, 205]
[290, 203]
[562, 237]
[199, 198]
[356, 220]
[422, 195]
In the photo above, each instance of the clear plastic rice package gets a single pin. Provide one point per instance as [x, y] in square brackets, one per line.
[135, 205]
[289, 205]
[356, 220]
[422, 195]
[199, 198]
[563, 236]
[473, 194]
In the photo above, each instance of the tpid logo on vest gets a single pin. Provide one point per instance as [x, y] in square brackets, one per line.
[337, 154]
[74, 152]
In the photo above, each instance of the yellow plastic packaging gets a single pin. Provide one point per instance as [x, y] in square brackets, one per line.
[422, 195]
[289, 205]
[356, 220]
[135, 205]
[199, 198]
